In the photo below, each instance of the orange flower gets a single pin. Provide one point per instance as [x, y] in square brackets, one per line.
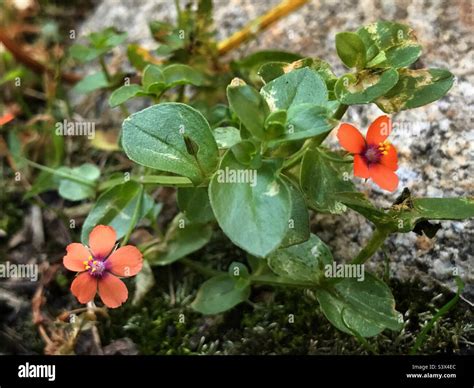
[99, 265]
[6, 118]
[374, 156]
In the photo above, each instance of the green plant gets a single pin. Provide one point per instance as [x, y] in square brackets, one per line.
[256, 166]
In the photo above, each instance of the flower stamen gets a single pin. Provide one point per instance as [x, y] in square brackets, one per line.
[95, 267]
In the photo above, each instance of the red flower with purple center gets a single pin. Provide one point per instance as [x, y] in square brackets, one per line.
[100, 265]
[374, 156]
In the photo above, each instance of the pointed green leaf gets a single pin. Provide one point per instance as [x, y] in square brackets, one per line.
[154, 137]
[195, 205]
[83, 53]
[322, 178]
[183, 237]
[123, 94]
[115, 207]
[389, 44]
[366, 307]
[221, 293]
[365, 86]
[247, 202]
[296, 87]
[226, 137]
[153, 80]
[416, 88]
[305, 121]
[178, 74]
[91, 82]
[298, 224]
[350, 49]
[304, 262]
[72, 189]
[249, 106]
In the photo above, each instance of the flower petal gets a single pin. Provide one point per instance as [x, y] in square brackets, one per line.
[379, 130]
[6, 118]
[112, 290]
[102, 241]
[390, 160]
[384, 177]
[75, 257]
[350, 138]
[125, 261]
[361, 169]
[84, 287]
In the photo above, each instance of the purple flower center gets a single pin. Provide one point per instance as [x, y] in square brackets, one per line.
[373, 153]
[95, 267]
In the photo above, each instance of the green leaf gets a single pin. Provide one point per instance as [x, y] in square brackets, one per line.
[305, 121]
[416, 88]
[154, 137]
[350, 49]
[195, 205]
[182, 238]
[138, 57]
[83, 53]
[271, 70]
[366, 307]
[221, 293]
[153, 79]
[178, 74]
[249, 106]
[296, 87]
[226, 137]
[107, 38]
[238, 270]
[91, 82]
[359, 203]
[298, 224]
[322, 178]
[303, 262]
[115, 207]
[250, 65]
[365, 86]
[43, 182]
[275, 124]
[72, 189]
[408, 214]
[444, 208]
[123, 94]
[389, 44]
[247, 153]
[260, 202]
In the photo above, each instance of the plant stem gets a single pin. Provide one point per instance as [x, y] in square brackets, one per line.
[261, 23]
[296, 157]
[340, 111]
[372, 246]
[104, 67]
[134, 220]
[61, 174]
[163, 180]
[262, 280]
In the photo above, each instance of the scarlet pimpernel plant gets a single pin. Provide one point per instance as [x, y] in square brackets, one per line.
[245, 147]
